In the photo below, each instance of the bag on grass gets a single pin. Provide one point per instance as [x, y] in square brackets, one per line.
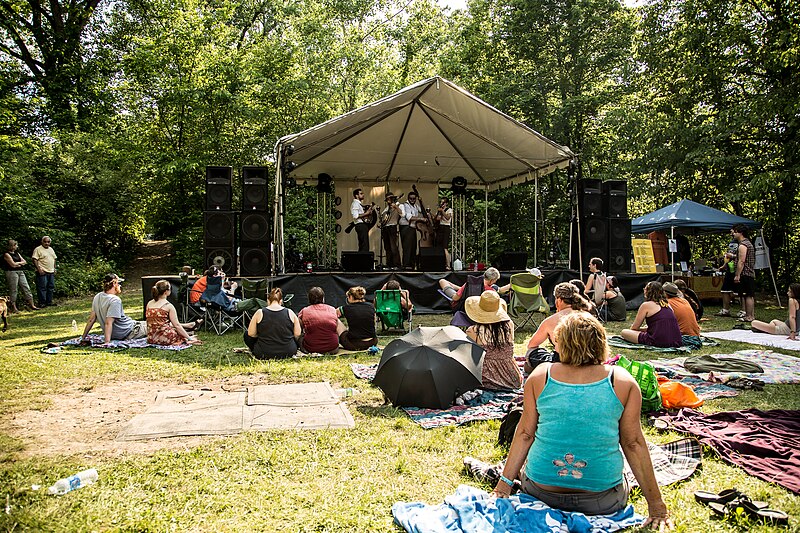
[645, 376]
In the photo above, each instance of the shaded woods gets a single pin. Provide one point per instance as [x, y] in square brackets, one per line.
[109, 112]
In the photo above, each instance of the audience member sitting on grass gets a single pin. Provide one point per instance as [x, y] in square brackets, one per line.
[273, 330]
[494, 331]
[581, 290]
[320, 324]
[596, 282]
[568, 300]
[360, 316]
[614, 302]
[455, 292]
[163, 327]
[572, 451]
[662, 326]
[684, 314]
[779, 327]
[691, 297]
[107, 311]
[405, 297]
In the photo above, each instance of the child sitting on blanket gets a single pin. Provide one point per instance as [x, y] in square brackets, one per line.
[778, 327]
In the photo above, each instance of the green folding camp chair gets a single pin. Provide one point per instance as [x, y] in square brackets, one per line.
[526, 299]
[390, 311]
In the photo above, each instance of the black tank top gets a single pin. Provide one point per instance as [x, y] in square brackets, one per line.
[14, 257]
[275, 335]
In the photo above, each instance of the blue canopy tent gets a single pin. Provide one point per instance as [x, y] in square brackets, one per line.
[692, 218]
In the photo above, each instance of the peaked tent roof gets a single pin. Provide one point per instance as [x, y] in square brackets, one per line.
[690, 217]
[428, 132]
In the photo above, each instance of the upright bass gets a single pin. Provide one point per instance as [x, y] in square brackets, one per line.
[425, 227]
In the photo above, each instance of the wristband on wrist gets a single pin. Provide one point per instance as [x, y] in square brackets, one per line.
[507, 481]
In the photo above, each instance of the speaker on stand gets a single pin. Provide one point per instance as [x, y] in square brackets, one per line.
[254, 230]
[219, 195]
[219, 240]
[615, 202]
[592, 231]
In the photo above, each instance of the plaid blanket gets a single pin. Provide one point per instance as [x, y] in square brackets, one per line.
[778, 367]
[97, 341]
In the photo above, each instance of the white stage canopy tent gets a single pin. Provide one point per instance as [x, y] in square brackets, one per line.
[426, 133]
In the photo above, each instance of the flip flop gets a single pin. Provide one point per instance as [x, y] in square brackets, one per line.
[706, 497]
[755, 511]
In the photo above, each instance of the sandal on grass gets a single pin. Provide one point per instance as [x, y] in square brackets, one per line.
[744, 506]
[706, 497]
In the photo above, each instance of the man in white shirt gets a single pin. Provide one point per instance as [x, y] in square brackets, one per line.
[359, 219]
[444, 220]
[408, 230]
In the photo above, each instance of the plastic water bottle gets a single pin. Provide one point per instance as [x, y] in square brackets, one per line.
[81, 479]
[346, 393]
[74, 326]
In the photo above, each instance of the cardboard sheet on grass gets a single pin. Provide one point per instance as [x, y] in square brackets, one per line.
[755, 337]
[260, 408]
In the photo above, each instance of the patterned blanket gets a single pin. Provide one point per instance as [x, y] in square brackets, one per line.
[754, 337]
[487, 405]
[97, 341]
[689, 343]
[778, 368]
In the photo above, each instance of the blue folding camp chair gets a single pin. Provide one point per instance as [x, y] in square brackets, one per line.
[221, 314]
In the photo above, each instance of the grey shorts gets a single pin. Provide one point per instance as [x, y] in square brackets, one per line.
[589, 503]
[139, 331]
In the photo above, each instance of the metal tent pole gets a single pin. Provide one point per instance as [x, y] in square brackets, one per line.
[486, 223]
[671, 253]
[535, 219]
[771, 273]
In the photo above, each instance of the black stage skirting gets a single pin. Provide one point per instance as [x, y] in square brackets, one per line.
[423, 286]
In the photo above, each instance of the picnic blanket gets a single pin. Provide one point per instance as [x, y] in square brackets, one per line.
[473, 510]
[689, 343]
[763, 443]
[778, 368]
[754, 337]
[486, 405]
[98, 341]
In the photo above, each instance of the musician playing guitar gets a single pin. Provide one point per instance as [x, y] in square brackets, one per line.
[412, 215]
[364, 218]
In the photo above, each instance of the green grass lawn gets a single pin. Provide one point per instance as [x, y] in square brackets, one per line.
[331, 480]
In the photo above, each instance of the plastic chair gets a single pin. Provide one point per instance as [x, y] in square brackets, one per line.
[389, 310]
[220, 313]
[526, 299]
[474, 288]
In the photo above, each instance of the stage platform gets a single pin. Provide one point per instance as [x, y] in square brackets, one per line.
[423, 286]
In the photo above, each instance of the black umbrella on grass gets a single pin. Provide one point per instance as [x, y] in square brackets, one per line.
[429, 367]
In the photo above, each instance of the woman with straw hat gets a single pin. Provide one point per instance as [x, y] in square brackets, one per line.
[494, 330]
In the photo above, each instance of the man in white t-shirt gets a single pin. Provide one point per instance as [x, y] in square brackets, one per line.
[44, 259]
[107, 311]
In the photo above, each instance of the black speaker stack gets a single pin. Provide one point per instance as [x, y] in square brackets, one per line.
[605, 229]
[220, 222]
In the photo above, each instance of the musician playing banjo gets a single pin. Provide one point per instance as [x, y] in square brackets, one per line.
[390, 217]
[361, 214]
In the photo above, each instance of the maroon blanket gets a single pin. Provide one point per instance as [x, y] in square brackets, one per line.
[766, 444]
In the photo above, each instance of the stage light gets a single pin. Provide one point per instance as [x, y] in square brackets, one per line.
[459, 185]
[337, 214]
[288, 150]
[324, 183]
[337, 200]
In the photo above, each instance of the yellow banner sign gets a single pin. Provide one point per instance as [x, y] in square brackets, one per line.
[643, 256]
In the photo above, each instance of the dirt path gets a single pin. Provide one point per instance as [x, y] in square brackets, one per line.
[153, 258]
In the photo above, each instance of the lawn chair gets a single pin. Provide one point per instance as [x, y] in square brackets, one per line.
[389, 310]
[526, 299]
[253, 289]
[220, 313]
[189, 311]
[474, 288]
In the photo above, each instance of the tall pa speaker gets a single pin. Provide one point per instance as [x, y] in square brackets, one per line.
[358, 261]
[590, 198]
[619, 245]
[254, 189]
[218, 188]
[615, 198]
[431, 259]
[219, 240]
[254, 244]
[594, 240]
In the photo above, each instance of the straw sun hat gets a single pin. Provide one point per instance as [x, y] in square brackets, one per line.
[487, 308]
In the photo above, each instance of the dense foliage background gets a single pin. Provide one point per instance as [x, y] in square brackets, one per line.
[109, 112]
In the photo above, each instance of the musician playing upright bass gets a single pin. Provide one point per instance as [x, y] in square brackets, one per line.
[408, 229]
[443, 221]
[361, 214]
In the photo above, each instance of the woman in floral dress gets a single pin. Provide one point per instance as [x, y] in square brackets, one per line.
[163, 327]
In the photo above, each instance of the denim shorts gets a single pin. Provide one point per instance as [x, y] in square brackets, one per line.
[589, 503]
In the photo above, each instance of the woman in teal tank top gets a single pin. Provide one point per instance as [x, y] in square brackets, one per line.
[579, 418]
